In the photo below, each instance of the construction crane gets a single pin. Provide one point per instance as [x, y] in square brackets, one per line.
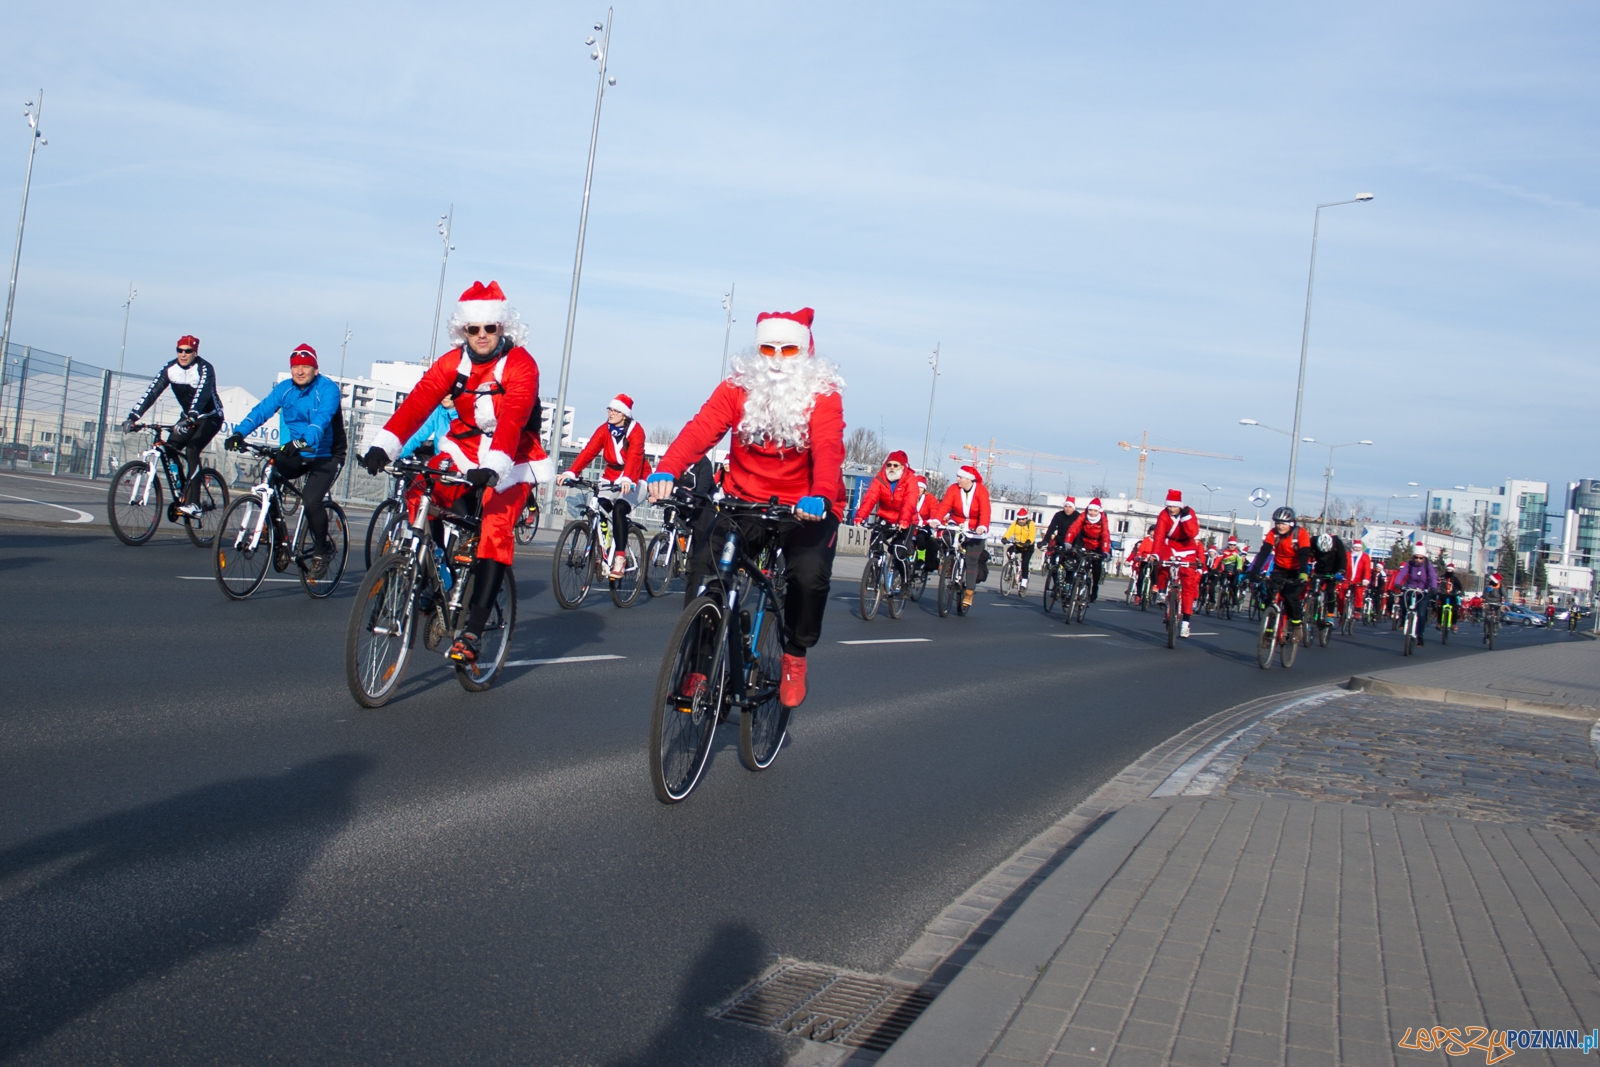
[992, 452]
[1145, 448]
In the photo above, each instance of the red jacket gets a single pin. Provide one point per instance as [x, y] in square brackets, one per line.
[896, 501]
[1360, 567]
[498, 401]
[950, 508]
[1181, 535]
[758, 472]
[631, 463]
[1096, 535]
[926, 506]
[1145, 547]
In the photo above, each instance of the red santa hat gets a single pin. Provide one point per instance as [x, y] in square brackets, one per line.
[1174, 496]
[786, 328]
[622, 402]
[1022, 513]
[1235, 540]
[1358, 543]
[969, 471]
[922, 480]
[1094, 505]
[1072, 502]
[483, 303]
[303, 356]
[897, 456]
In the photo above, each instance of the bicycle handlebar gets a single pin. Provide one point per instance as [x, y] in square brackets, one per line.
[771, 511]
[409, 466]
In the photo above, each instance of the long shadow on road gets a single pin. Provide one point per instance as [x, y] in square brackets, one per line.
[89, 911]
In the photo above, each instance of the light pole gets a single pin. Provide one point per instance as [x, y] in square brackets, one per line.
[727, 334]
[1390, 503]
[1209, 490]
[1327, 475]
[933, 361]
[32, 112]
[1305, 338]
[1274, 429]
[446, 221]
[122, 356]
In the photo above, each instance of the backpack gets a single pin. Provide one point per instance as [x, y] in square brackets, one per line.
[459, 388]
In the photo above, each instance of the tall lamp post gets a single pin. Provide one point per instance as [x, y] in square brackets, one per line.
[1392, 498]
[1327, 474]
[446, 221]
[601, 55]
[31, 111]
[1209, 490]
[1305, 339]
[727, 334]
[927, 435]
[122, 356]
[1286, 433]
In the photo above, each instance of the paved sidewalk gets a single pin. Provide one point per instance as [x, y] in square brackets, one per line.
[1554, 678]
[1350, 868]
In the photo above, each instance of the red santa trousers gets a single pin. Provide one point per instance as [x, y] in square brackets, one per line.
[500, 510]
[1188, 580]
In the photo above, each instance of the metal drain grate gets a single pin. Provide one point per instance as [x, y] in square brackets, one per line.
[829, 1005]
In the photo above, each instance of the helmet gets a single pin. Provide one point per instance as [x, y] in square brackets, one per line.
[1325, 543]
[1284, 514]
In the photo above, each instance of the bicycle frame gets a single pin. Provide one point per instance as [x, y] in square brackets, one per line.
[157, 456]
[741, 653]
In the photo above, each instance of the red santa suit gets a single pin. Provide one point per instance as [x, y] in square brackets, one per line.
[896, 501]
[629, 461]
[1179, 538]
[1357, 578]
[1096, 536]
[966, 508]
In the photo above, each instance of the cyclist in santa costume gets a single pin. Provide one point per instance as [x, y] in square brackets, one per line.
[1178, 537]
[622, 439]
[787, 417]
[494, 436]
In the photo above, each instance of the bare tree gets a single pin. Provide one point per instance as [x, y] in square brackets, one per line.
[661, 434]
[937, 484]
[865, 447]
[1478, 534]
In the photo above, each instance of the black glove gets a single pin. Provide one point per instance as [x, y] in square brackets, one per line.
[183, 425]
[289, 451]
[234, 443]
[129, 423]
[482, 477]
[375, 460]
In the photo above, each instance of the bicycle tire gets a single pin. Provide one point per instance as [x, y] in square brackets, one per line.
[942, 601]
[1174, 599]
[871, 589]
[1445, 618]
[918, 583]
[240, 569]
[658, 555]
[573, 565]
[378, 529]
[526, 527]
[764, 726]
[1047, 591]
[502, 622]
[1489, 635]
[133, 523]
[625, 590]
[203, 531]
[680, 739]
[894, 597]
[1290, 648]
[1267, 643]
[381, 630]
[1324, 633]
[1410, 644]
[339, 534]
[961, 598]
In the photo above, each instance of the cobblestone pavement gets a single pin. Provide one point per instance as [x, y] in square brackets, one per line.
[1340, 874]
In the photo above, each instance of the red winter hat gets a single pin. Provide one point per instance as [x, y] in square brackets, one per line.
[1095, 504]
[483, 303]
[1072, 502]
[189, 340]
[303, 356]
[970, 471]
[1174, 497]
[622, 402]
[786, 328]
[897, 456]
[1022, 513]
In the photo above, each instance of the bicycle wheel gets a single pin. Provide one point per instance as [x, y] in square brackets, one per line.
[527, 524]
[377, 639]
[658, 559]
[764, 722]
[378, 531]
[1290, 647]
[573, 565]
[243, 552]
[213, 501]
[133, 502]
[495, 640]
[1444, 628]
[1047, 595]
[871, 586]
[918, 582]
[339, 537]
[1174, 598]
[1324, 632]
[1010, 577]
[947, 592]
[625, 590]
[1267, 643]
[1410, 644]
[1082, 606]
[1489, 631]
[894, 597]
[688, 700]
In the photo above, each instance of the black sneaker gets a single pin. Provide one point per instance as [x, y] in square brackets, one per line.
[465, 650]
[317, 565]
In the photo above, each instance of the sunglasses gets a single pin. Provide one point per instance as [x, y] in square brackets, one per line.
[185, 351]
[489, 330]
[780, 350]
[895, 466]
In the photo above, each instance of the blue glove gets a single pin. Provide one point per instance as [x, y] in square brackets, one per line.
[1339, 577]
[659, 476]
[811, 507]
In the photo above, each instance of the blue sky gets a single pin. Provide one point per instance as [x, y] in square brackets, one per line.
[1101, 213]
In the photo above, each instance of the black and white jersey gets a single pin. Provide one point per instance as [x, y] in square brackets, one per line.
[194, 387]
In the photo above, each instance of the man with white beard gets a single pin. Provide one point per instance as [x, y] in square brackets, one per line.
[787, 417]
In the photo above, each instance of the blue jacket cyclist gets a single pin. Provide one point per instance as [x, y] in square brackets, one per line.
[432, 432]
[312, 435]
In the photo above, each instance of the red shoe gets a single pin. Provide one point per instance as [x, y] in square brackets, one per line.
[792, 689]
[465, 650]
[694, 684]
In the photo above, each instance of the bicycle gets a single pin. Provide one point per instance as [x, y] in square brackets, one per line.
[1491, 622]
[527, 525]
[1447, 618]
[1411, 610]
[1316, 612]
[953, 570]
[419, 578]
[383, 516]
[667, 555]
[1277, 635]
[725, 652]
[583, 553]
[1174, 606]
[918, 582]
[255, 536]
[1078, 575]
[1011, 572]
[1147, 582]
[133, 501]
[884, 579]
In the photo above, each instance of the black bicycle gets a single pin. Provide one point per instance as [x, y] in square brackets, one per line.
[886, 578]
[133, 503]
[1491, 622]
[1076, 576]
[420, 580]
[583, 556]
[1411, 613]
[725, 653]
[255, 537]
[666, 557]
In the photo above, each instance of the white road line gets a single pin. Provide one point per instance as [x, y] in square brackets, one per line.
[1077, 635]
[1204, 633]
[212, 578]
[83, 516]
[558, 659]
[890, 641]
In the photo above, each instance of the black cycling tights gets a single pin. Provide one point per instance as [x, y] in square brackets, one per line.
[487, 574]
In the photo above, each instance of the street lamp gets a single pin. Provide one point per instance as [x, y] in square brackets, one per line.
[1327, 474]
[446, 222]
[1392, 498]
[727, 334]
[1209, 490]
[127, 310]
[601, 55]
[1305, 338]
[31, 112]
[933, 361]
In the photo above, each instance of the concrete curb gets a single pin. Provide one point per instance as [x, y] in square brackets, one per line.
[1472, 700]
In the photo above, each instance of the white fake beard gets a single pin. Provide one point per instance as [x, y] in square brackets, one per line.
[780, 395]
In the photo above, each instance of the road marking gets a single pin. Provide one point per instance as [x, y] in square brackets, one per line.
[83, 516]
[558, 659]
[889, 641]
[212, 578]
[1204, 633]
[1077, 635]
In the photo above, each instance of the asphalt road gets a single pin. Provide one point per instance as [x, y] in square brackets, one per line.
[210, 853]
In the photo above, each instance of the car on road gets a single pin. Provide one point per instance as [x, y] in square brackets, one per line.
[42, 454]
[1523, 616]
[13, 451]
